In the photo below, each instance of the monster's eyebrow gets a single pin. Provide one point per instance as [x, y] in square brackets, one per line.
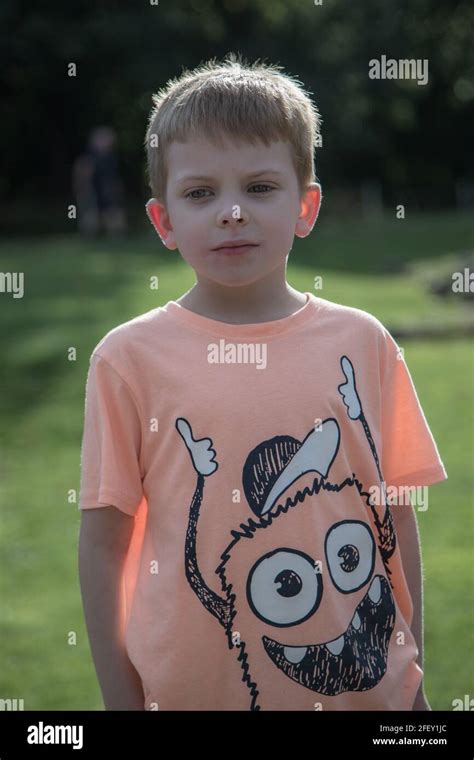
[203, 178]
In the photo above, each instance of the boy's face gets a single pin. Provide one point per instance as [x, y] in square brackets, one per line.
[237, 192]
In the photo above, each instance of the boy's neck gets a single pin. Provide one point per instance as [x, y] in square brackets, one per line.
[258, 302]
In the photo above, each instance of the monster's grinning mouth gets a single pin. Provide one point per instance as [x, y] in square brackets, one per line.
[356, 660]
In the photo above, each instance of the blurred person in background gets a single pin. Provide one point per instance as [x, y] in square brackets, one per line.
[97, 186]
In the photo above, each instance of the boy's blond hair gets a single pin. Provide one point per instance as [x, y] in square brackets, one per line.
[232, 99]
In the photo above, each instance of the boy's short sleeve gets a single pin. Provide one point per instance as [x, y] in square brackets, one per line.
[409, 453]
[110, 454]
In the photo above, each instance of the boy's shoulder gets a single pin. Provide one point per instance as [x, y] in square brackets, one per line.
[341, 315]
[119, 344]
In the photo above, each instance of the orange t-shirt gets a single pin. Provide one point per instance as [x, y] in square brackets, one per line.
[264, 572]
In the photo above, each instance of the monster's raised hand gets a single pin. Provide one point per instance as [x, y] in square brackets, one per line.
[348, 390]
[201, 452]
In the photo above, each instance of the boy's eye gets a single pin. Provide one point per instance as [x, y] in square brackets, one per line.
[204, 190]
[269, 187]
[199, 190]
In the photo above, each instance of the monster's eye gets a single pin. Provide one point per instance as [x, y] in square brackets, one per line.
[350, 554]
[284, 587]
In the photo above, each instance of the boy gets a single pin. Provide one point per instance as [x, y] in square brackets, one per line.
[234, 553]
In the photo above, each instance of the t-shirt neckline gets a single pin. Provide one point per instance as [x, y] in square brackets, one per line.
[253, 329]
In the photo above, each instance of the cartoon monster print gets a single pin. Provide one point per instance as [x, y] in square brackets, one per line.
[282, 587]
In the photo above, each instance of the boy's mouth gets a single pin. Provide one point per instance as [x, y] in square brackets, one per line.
[235, 246]
[234, 242]
[236, 249]
[356, 661]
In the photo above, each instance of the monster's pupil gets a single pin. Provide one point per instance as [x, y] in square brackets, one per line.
[350, 557]
[290, 581]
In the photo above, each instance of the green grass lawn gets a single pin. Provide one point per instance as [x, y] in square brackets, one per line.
[74, 293]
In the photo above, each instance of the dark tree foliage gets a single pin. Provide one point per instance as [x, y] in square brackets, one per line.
[403, 134]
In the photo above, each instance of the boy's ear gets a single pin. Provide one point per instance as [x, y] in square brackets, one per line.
[159, 218]
[309, 209]
[148, 211]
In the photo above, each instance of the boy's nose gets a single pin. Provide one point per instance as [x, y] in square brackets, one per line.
[232, 214]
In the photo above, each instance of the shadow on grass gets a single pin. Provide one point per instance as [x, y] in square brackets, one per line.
[74, 292]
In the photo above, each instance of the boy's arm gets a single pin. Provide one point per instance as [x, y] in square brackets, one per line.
[408, 539]
[104, 539]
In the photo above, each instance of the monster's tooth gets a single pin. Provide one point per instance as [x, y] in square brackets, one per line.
[336, 646]
[375, 590]
[295, 654]
[356, 621]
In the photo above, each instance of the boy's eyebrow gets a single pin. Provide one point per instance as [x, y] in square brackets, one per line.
[202, 178]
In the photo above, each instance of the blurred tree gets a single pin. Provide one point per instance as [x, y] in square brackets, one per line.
[404, 135]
